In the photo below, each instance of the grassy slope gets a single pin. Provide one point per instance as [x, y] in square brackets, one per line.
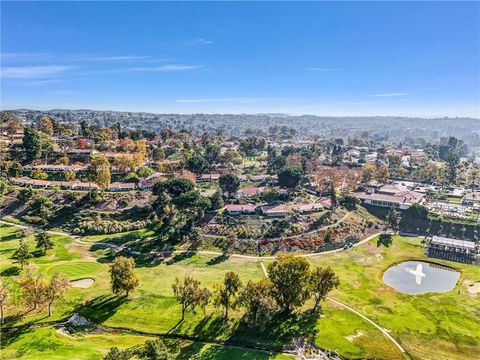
[429, 326]
[47, 344]
[450, 322]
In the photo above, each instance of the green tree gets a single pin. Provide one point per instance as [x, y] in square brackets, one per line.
[42, 206]
[393, 219]
[39, 174]
[22, 254]
[158, 154]
[69, 175]
[195, 239]
[197, 164]
[117, 354]
[144, 172]
[212, 153]
[452, 160]
[270, 195]
[4, 298]
[229, 183]
[192, 203]
[173, 187]
[290, 177]
[217, 200]
[25, 194]
[190, 294]
[255, 298]
[15, 169]
[321, 282]
[44, 242]
[289, 275]
[122, 275]
[3, 188]
[333, 195]
[226, 292]
[251, 145]
[156, 350]
[226, 243]
[31, 143]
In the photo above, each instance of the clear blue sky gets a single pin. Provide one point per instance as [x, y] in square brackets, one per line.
[372, 58]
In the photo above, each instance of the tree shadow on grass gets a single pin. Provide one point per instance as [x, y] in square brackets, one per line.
[146, 260]
[190, 351]
[217, 260]
[38, 253]
[385, 240]
[180, 257]
[10, 335]
[214, 352]
[11, 271]
[141, 260]
[280, 330]
[212, 327]
[10, 237]
[101, 308]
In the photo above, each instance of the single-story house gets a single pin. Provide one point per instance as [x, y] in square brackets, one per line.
[308, 208]
[72, 185]
[276, 210]
[209, 177]
[148, 183]
[237, 209]
[120, 186]
[259, 178]
[402, 200]
[81, 151]
[78, 185]
[249, 191]
[55, 167]
[471, 198]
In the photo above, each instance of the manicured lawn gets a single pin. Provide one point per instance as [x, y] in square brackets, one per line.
[430, 326]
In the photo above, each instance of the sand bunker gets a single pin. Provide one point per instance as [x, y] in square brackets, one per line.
[82, 283]
[474, 288]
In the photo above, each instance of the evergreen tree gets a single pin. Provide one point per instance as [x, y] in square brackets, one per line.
[44, 242]
[31, 143]
[22, 254]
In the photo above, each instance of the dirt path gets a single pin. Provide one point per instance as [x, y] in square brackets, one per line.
[264, 269]
[384, 332]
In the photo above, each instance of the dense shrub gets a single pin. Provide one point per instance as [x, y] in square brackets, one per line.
[97, 227]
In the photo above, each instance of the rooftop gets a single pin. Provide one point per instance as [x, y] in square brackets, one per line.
[464, 244]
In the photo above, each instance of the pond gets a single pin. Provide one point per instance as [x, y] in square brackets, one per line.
[419, 277]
